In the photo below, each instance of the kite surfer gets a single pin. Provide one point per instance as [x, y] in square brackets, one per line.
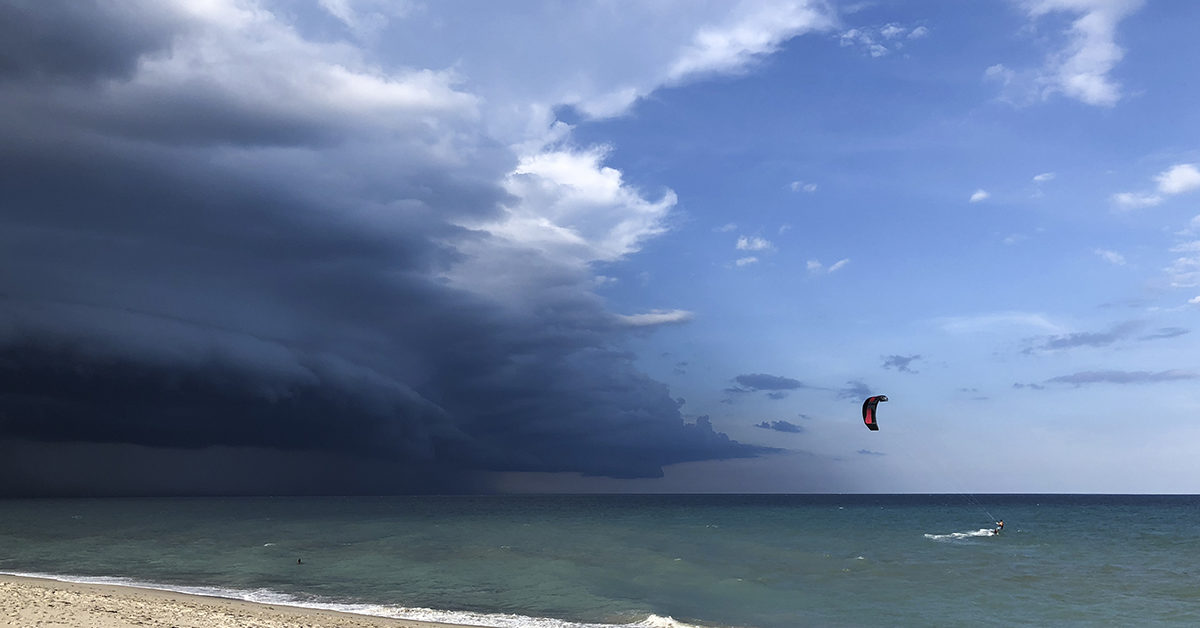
[999, 527]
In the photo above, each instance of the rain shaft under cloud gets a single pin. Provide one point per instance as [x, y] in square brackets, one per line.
[230, 252]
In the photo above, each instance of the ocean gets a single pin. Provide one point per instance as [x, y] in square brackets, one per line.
[754, 561]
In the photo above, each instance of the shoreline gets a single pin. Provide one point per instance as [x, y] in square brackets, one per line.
[49, 603]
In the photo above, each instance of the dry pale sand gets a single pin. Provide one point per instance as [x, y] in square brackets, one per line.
[30, 602]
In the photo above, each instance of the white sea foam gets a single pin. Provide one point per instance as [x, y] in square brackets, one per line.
[266, 596]
[655, 621]
[961, 535]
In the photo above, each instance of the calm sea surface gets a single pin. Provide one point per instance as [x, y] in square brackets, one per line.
[727, 561]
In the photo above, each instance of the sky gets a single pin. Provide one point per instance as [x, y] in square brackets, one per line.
[368, 246]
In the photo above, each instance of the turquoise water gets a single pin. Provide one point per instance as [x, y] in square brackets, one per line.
[726, 561]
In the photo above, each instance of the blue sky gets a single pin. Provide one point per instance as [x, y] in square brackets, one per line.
[598, 246]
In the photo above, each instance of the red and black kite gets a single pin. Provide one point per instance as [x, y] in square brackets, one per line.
[869, 411]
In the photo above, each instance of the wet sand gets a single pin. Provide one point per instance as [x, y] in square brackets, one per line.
[36, 602]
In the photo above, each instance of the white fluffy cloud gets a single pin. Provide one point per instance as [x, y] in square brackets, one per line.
[575, 210]
[979, 195]
[1177, 179]
[1081, 67]
[756, 29]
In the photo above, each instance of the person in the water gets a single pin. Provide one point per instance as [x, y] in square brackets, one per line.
[999, 527]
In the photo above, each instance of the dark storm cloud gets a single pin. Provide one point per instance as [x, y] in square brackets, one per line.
[176, 303]
[900, 362]
[85, 40]
[760, 381]
[780, 426]
[1122, 377]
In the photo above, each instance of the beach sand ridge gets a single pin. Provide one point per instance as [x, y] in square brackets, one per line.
[42, 603]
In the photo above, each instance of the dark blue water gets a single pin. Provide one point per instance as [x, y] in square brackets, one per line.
[747, 561]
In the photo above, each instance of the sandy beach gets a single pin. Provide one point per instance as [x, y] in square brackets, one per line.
[36, 602]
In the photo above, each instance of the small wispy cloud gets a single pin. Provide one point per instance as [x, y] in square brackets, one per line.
[1136, 200]
[1193, 227]
[761, 31]
[1082, 339]
[868, 452]
[1165, 332]
[815, 266]
[996, 321]
[655, 318]
[901, 363]
[1015, 238]
[762, 381]
[863, 40]
[979, 195]
[1184, 271]
[801, 186]
[882, 40]
[753, 243]
[1044, 177]
[363, 23]
[781, 426]
[1112, 257]
[726, 228]
[1123, 377]
[1120, 332]
[746, 261]
[854, 389]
